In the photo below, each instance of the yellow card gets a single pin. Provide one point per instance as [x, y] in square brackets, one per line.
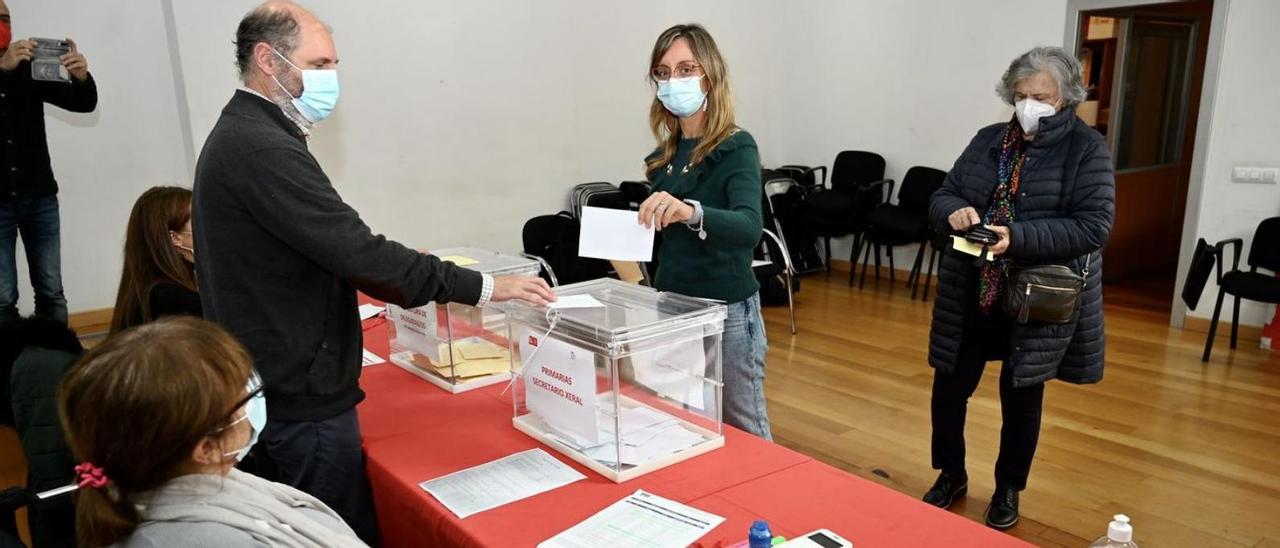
[965, 246]
[459, 260]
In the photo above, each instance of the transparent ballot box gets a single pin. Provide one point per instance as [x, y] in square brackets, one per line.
[458, 347]
[621, 378]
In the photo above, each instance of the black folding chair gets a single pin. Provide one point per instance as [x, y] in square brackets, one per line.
[1251, 285]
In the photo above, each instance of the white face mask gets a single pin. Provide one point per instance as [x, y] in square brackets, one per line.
[1030, 111]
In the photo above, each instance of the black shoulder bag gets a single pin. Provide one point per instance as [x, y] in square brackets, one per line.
[1047, 293]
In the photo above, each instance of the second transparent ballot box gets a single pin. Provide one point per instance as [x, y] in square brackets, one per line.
[455, 346]
[619, 377]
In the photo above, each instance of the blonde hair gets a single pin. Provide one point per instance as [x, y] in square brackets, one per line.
[719, 121]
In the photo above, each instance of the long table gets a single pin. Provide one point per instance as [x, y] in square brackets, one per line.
[414, 431]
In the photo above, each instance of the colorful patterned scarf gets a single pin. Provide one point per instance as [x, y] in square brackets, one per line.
[1000, 211]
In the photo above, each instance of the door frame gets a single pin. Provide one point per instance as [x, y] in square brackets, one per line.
[1204, 124]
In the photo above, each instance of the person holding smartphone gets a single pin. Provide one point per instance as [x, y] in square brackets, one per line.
[28, 190]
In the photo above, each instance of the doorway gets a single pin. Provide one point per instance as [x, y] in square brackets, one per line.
[1144, 67]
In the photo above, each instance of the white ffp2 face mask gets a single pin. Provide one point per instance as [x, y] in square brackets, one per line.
[1030, 111]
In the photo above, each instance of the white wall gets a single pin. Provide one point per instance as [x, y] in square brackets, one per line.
[1244, 129]
[913, 81]
[104, 160]
[460, 120]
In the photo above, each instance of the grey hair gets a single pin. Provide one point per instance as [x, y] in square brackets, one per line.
[1062, 66]
[273, 26]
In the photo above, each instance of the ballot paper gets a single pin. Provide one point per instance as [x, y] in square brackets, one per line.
[371, 359]
[647, 434]
[576, 301]
[962, 245]
[614, 234]
[493, 484]
[676, 372]
[459, 260]
[368, 311]
[642, 520]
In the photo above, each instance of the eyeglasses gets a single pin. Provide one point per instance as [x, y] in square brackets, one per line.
[683, 70]
[255, 389]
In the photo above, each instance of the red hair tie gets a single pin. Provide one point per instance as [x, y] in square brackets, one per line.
[91, 476]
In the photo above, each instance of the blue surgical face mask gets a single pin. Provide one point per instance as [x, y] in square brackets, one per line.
[255, 411]
[682, 96]
[319, 92]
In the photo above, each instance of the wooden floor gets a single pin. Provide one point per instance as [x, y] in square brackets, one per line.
[1190, 451]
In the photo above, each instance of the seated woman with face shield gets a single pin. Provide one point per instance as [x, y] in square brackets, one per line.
[159, 415]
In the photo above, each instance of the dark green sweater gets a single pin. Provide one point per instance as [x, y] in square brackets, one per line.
[727, 184]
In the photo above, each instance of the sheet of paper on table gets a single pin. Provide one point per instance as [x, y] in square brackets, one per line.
[368, 311]
[506, 480]
[642, 520]
[614, 234]
[371, 359]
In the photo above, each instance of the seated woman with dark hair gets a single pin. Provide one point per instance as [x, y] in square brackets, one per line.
[159, 261]
[159, 415]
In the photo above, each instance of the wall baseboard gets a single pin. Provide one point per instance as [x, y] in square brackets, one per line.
[90, 322]
[1252, 333]
[1201, 325]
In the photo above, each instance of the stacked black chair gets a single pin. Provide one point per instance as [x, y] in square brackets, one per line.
[857, 187]
[903, 223]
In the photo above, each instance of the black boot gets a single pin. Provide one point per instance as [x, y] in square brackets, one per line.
[948, 487]
[1003, 512]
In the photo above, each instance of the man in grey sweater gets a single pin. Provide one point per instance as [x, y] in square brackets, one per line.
[280, 258]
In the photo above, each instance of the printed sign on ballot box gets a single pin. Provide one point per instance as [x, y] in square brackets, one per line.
[560, 385]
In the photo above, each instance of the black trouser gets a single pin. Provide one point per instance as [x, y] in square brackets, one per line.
[1019, 411]
[324, 459]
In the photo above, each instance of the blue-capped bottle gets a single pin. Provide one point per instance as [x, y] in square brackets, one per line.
[760, 536]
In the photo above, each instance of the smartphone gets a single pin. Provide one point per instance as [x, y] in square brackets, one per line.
[822, 538]
[46, 65]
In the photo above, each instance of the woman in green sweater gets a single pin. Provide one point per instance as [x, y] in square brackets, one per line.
[706, 183]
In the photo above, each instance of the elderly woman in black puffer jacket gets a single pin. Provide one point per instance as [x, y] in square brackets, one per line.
[1044, 183]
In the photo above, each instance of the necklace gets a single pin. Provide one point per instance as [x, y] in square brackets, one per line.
[683, 171]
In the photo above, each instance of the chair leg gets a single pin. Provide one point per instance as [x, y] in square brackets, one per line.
[826, 258]
[878, 252]
[791, 303]
[1213, 327]
[891, 268]
[914, 279]
[1235, 322]
[853, 258]
[928, 277]
[866, 261]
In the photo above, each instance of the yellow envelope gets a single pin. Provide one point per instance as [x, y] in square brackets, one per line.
[459, 260]
[965, 246]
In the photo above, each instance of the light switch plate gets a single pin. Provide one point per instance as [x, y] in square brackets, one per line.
[1255, 174]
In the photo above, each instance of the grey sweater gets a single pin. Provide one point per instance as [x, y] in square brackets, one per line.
[240, 510]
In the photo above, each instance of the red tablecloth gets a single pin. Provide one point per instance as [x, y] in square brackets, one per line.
[414, 431]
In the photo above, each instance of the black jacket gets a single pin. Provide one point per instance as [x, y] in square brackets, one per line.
[47, 350]
[281, 257]
[25, 169]
[1057, 222]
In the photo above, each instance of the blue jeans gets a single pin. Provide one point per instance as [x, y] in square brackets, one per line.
[36, 220]
[743, 348]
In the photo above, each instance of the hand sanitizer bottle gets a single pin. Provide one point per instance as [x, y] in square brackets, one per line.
[1119, 534]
